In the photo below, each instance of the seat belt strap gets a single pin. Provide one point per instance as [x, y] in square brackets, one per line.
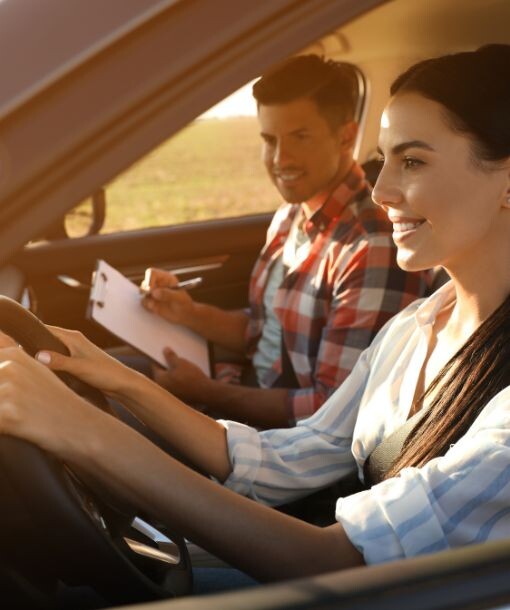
[382, 457]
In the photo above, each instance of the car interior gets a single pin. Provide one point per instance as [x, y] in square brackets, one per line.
[117, 82]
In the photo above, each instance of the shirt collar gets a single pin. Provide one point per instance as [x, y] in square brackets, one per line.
[353, 185]
[427, 312]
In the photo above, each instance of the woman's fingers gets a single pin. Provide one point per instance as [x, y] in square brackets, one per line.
[35, 405]
[13, 353]
[56, 361]
[73, 339]
[6, 341]
[79, 346]
[62, 333]
[85, 368]
[87, 361]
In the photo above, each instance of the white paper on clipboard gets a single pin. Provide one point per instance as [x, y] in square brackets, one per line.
[115, 304]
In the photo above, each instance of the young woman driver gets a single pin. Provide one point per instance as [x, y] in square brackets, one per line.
[445, 184]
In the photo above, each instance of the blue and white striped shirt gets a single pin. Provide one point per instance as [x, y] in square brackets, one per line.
[458, 499]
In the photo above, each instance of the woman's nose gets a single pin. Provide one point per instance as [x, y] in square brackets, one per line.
[386, 191]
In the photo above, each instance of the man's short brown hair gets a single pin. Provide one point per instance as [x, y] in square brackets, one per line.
[332, 85]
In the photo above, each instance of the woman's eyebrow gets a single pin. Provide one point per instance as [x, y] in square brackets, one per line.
[400, 148]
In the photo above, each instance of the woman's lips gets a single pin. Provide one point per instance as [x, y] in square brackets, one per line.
[405, 228]
[401, 227]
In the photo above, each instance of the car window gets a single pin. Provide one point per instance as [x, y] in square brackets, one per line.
[211, 169]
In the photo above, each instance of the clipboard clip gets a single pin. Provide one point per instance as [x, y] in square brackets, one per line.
[98, 292]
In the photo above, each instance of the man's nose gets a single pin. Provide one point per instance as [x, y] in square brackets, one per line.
[281, 154]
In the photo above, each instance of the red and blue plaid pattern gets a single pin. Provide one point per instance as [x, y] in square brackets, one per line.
[334, 301]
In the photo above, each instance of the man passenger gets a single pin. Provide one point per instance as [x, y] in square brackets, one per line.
[326, 279]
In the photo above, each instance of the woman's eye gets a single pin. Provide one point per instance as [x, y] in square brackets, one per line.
[411, 162]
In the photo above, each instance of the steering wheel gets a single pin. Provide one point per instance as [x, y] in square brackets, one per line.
[60, 526]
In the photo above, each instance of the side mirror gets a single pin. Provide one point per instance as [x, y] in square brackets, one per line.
[98, 211]
[85, 219]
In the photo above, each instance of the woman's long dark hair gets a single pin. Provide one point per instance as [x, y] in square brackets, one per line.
[477, 372]
[474, 90]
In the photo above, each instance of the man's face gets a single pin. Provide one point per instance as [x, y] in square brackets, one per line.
[301, 152]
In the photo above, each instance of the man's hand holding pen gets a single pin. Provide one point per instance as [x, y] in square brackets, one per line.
[168, 297]
[145, 287]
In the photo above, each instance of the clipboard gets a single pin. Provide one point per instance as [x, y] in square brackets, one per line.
[115, 304]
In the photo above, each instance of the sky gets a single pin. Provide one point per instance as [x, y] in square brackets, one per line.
[240, 103]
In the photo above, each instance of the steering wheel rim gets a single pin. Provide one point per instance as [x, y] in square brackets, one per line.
[108, 550]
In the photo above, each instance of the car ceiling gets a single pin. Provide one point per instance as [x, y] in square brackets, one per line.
[389, 38]
[401, 28]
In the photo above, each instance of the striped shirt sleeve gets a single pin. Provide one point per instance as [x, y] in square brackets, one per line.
[458, 499]
[278, 466]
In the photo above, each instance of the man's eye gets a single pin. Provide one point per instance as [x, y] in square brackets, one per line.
[301, 137]
[411, 162]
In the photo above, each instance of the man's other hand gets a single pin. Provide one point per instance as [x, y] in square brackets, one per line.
[182, 378]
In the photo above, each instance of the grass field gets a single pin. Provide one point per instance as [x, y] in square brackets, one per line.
[211, 169]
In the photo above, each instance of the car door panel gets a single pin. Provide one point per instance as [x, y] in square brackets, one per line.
[221, 251]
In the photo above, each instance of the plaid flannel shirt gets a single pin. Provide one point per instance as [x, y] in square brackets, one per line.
[333, 302]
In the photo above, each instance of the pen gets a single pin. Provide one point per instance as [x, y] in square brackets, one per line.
[185, 285]
[189, 284]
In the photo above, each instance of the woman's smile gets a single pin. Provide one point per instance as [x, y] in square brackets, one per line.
[405, 227]
[445, 208]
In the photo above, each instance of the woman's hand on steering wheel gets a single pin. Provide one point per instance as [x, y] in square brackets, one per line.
[37, 406]
[86, 362]
[6, 341]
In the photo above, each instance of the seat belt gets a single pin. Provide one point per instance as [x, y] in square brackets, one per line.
[387, 451]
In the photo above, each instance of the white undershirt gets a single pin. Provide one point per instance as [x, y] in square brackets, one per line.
[269, 345]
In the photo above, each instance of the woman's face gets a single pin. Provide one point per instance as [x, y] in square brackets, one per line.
[445, 208]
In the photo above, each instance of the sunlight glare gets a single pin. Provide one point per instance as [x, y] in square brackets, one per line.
[385, 121]
[240, 103]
